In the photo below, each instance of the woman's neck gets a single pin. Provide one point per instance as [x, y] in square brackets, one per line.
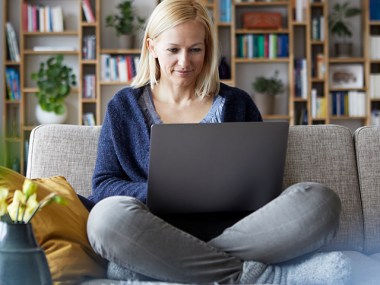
[173, 95]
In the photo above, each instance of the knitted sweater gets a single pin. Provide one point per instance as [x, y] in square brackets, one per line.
[121, 167]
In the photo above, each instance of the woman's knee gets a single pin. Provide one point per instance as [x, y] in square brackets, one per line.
[322, 202]
[108, 217]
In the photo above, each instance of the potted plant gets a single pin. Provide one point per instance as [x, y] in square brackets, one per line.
[126, 23]
[54, 81]
[266, 89]
[340, 27]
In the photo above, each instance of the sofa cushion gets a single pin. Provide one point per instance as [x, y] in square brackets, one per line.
[61, 230]
[367, 143]
[66, 150]
[325, 154]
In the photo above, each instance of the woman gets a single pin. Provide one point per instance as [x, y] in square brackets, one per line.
[178, 82]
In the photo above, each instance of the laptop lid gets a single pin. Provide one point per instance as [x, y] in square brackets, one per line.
[208, 168]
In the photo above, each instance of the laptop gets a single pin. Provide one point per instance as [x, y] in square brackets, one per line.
[205, 177]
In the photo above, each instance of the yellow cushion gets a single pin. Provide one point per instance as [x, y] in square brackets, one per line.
[61, 230]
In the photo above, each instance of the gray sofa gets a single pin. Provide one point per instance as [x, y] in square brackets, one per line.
[348, 163]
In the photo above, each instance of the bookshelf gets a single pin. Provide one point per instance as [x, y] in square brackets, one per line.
[309, 45]
[372, 31]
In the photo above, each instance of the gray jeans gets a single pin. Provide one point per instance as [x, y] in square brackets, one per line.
[302, 219]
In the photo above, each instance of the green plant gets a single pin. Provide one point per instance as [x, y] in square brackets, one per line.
[54, 81]
[339, 23]
[126, 22]
[269, 86]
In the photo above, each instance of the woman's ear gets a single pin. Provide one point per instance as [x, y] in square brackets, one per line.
[151, 47]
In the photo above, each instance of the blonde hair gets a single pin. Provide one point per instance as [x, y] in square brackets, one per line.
[167, 15]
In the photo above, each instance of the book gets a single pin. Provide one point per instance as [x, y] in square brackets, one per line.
[88, 119]
[12, 83]
[87, 11]
[14, 53]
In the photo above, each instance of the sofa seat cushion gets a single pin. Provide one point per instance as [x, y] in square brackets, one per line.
[60, 230]
[365, 269]
[326, 154]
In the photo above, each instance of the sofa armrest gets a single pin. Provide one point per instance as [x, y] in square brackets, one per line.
[66, 150]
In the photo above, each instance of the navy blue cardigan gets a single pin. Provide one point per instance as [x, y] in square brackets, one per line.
[123, 150]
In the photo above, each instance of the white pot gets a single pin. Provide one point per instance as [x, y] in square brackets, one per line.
[44, 117]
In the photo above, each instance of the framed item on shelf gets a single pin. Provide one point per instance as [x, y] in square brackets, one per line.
[346, 76]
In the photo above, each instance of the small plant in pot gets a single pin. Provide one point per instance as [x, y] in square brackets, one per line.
[54, 81]
[126, 23]
[265, 90]
[341, 27]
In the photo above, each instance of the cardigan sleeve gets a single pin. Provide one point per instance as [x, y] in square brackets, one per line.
[118, 170]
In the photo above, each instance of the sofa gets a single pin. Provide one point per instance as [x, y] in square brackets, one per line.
[349, 163]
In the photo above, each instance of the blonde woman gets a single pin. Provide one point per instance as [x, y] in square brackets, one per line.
[178, 82]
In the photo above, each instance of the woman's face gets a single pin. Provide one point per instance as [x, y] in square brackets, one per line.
[180, 52]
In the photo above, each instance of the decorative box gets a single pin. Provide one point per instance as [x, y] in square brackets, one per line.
[262, 20]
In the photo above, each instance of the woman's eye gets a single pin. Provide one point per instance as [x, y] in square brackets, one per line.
[173, 50]
[195, 50]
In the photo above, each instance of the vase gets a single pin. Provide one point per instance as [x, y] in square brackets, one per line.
[126, 41]
[22, 261]
[343, 49]
[265, 103]
[44, 117]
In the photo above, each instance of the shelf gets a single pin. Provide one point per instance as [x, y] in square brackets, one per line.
[262, 60]
[247, 31]
[347, 89]
[299, 23]
[120, 51]
[11, 63]
[49, 34]
[13, 139]
[347, 60]
[110, 83]
[347, 118]
[89, 61]
[12, 102]
[89, 100]
[261, 4]
[276, 117]
[35, 89]
[28, 128]
[65, 52]
[86, 24]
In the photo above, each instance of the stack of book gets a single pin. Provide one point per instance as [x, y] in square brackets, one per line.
[38, 18]
[118, 68]
[262, 46]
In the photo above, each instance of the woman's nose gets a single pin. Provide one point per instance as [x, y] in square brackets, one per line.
[183, 59]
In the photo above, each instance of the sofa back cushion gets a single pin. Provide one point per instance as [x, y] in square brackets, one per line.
[367, 143]
[325, 154]
[64, 150]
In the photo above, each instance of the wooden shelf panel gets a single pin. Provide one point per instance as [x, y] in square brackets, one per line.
[110, 83]
[120, 51]
[35, 89]
[49, 34]
[261, 4]
[247, 31]
[262, 60]
[347, 118]
[347, 60]
[64, 52]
